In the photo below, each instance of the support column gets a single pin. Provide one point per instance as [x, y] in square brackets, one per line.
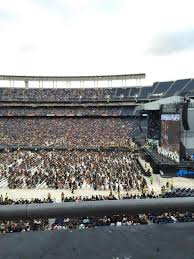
[26, 84]
[82, 84]
[53, 84]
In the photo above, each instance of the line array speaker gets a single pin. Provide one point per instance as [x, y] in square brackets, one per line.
[185, 116]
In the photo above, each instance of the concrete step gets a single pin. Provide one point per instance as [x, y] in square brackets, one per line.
[3, 183]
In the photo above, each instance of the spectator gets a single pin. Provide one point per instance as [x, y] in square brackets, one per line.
[66, 132]
[72, 170]
[62, 196]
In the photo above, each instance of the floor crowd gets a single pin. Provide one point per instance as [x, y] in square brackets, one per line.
[71, 170]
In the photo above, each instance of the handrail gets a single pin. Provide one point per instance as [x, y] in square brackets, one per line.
[96, 208]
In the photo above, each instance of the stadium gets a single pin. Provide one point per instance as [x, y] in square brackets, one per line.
[95, 144]
[96, 129]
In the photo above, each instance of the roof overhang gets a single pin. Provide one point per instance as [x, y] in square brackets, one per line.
[153, 106]
[73, 78]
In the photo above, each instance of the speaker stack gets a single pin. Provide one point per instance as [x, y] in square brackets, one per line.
[185, 122]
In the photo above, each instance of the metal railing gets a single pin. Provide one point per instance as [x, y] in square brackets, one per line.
[96, 208]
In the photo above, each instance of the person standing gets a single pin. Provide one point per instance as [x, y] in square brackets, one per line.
[119, 192]
[49, 196]
[151, 179]
[62, 197]
[144, 190]
[171, 186]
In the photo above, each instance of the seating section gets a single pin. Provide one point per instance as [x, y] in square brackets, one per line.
[134, 91]
[157, 91]
[59, 222]
[171, 218]
[161, 89]
[145, 92]
[180, 192]
[189, 88]
[177, 87]
[174, 217]
[123, 92]
[50, 111]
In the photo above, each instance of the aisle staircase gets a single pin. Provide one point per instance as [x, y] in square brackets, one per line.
[3, 183]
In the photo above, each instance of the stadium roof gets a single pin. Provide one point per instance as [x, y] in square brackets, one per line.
[74, 78]
[155, 105]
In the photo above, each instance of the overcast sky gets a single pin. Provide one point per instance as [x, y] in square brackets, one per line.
[87, 37]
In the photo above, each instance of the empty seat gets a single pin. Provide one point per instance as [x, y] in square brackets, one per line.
[123, 92]
[177, 87]
[59, 222]
[145, 92]
[189, 88]
[134, 91]
[161, 89]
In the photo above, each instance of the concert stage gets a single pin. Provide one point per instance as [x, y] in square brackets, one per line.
[166, 167]
[170, 136]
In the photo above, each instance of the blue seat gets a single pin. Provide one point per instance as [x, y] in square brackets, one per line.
[189, 87]
[59, 222]
[145, 92]
[177, 87]
[161, 89]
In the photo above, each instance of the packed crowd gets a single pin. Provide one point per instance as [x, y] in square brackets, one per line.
[68, 223]
[46, 94]
[119, 220]
[66, 111]
[23, 225]
[166, 218]
[68, 132]
[71, 170]
[88, 222]
[126, 196]
[7, 201]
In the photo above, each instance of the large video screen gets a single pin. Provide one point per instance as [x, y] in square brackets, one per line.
[153, 125]
[170, 135]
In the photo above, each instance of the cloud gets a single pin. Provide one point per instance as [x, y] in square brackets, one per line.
[28, 48]
[73, 8]
[96, 37]
[171, 43]
[108, 6]
[6, 16]
[56, 7]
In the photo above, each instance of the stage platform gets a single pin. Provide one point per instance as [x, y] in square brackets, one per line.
[132, 242]
[164, 166]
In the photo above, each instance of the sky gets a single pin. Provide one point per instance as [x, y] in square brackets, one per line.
[93, 37]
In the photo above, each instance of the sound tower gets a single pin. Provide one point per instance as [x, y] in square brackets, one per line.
[185, 115]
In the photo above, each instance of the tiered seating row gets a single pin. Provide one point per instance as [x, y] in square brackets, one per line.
[157, 91]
